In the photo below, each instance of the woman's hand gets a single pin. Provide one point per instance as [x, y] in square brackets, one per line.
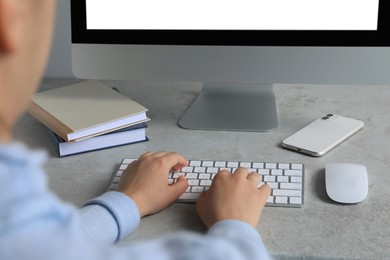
[145, 181]
[233, 196]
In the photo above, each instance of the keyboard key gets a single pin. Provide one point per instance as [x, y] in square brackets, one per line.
[207, 163]
[178, 174]
[193, 182]
[212, 170]
[293, 172]
[277, 172]
[281, 200]
[284, 166]
[269, 178]
[232, 164]
[204, 176]
[296, 200]
[128, 161]
[296, 166]
[246, 165]
[205, 183]
[200, 169]
[295, 193]
[187, 169]
[292, 186]
[273, 185]
[270, 166]
[197, 189]
[123, 167]
[296, 179]
[195, 163]
[258, 165]
[282, 179]
[264, 171]
[220, 164]
[192, 176]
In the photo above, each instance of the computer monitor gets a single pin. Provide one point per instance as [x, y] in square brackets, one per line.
[237, 48]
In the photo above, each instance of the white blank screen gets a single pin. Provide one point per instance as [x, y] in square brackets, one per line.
[233, 14]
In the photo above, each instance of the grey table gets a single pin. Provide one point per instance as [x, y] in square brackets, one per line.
[320, 230]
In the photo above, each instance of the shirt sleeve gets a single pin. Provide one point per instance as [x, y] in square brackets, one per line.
[35, 224]
[113, 215]
[226, 240]
[109, 217]
[243, 235]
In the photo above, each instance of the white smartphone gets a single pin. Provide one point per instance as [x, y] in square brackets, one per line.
[323, 134]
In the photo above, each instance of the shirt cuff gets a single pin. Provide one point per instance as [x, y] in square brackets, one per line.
[241, 234]
[233, 227]
[123, 210]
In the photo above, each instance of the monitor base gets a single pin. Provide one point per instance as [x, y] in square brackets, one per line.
[243, 107]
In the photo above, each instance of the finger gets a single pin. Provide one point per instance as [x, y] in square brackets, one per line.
[265, 191]
[168, 160]
[242, 172]
[175, 160]
[221, 175]
[179, 166]
[254, 177]
[178, 188]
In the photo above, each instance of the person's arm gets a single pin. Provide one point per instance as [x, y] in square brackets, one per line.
[40, 226]
[242, 237]
[231, 208]
[142, 190]
[109, 217]
[226, 240]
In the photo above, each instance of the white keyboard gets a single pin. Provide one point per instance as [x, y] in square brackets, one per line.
[285, 179]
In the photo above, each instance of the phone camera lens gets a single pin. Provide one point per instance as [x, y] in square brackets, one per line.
[327, 116]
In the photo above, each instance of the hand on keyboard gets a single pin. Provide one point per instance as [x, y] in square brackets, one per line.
[233, 196]
[145, 181]
[285, 179]
[230, 196]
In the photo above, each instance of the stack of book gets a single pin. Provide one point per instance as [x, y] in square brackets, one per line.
[89, 116]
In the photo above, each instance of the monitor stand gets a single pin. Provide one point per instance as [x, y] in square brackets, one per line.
[241, 107]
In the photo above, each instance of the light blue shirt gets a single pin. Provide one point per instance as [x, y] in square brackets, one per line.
[35, 224]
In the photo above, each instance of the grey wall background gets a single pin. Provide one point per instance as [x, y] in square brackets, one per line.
[60, 62]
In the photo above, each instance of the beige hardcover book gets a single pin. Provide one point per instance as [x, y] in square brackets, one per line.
[90, 108]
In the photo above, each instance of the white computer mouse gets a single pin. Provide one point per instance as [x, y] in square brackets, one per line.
[346, 182]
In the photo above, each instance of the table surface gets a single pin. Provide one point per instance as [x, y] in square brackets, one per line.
[321, 229]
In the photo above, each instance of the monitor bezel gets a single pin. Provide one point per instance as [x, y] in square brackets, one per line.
[380, 37]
